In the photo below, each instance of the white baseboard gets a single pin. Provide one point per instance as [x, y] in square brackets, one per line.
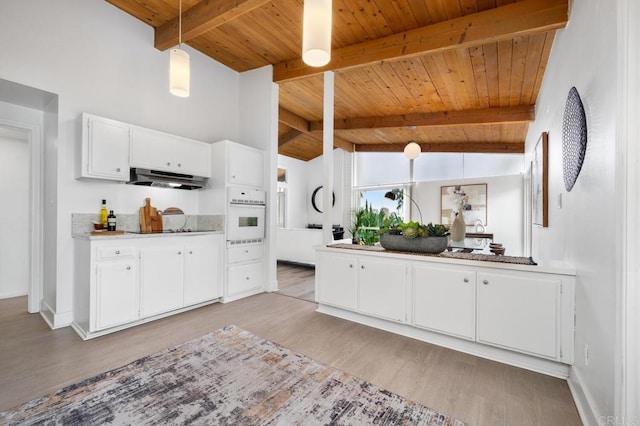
[53, 318]
[14, 294]
[582, 398]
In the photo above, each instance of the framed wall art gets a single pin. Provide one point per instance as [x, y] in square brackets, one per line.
[540, 182]
[470, 200]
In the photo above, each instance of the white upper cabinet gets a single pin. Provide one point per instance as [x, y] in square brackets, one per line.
[238, 165]
[162, 151]
[105, 149]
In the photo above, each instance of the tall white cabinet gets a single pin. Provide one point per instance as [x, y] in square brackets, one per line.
[239, 166]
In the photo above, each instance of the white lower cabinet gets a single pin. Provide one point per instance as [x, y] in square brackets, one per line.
[522, 315]
[369, 286]
[117, 293]
[337, 280]
[126, 281]
[382, 288]
[245, 279]
[161, 280]
[519, 312]
[444, 300]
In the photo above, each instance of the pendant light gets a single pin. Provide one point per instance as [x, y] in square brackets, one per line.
[316, 32]
[179, 67]
[412, 149]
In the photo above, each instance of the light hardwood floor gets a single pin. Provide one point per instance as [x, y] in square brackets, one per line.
[35, 360]
[297, 280]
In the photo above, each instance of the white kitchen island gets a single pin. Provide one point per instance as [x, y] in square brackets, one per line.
[518, 314]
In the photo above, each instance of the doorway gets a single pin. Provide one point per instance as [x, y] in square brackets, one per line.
[14, 192]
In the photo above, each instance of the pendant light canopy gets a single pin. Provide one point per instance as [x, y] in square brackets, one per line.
[316, 32]
[179, 66]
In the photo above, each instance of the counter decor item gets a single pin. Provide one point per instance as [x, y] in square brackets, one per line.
[415, 237]
[458, 227]
[150, 218]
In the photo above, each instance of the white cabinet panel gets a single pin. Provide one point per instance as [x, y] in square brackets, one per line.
[245, 165]
[105, 149]
[444, 300]
[162, 151]
[245, 252]
[152, 150]
[245, 278]
[203, 267]
[162, 275]
[117, 294]
[337, 280]
[519, 311]
[382, 288]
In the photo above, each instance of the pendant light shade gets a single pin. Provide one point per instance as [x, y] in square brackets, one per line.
[179, 78]
[179, 65]
[316, 32]
[412, 150]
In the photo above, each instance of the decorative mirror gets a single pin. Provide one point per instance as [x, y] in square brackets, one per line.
[316, 199]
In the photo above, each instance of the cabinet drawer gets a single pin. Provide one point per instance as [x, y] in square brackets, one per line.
[244, 253]
[108, 253]
[245, 278]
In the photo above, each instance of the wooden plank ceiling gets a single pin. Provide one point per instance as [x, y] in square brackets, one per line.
[464, 73]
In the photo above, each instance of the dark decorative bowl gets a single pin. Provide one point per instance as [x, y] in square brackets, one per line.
[418, 245]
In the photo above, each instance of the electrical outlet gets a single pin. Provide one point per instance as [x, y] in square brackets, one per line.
[586, 355]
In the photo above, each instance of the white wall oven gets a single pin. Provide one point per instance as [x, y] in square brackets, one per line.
[246, 215]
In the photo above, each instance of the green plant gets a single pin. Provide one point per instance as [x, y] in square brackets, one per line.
[366, 225]
[416, 230]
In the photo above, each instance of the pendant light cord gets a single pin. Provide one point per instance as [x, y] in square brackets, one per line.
[180, 25]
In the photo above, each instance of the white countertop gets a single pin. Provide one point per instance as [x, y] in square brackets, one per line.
[133, 235]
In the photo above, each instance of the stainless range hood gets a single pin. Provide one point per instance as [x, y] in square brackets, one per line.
[160, 179]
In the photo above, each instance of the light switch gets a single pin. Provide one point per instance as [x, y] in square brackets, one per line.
[559, 201]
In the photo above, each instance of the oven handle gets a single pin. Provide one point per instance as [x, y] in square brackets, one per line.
[246, 205]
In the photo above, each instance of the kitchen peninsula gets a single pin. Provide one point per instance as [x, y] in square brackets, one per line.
[521, 315]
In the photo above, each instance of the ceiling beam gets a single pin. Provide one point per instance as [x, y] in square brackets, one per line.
[502, 23]
[499, 115]
[462, 147]
[300, 124]
[202, 17]
[289, 137]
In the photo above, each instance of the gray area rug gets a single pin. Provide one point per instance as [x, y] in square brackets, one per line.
[227, 377]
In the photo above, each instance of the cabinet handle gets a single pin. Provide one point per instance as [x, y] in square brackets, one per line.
[350, 266]
[485, 282]
[179, 164]
[466, 280]
[128, 268]
[118, 170]
[190, 252]
[179, 252]
[117, 251]
[247, 278]
[168, 164]
[361, 266]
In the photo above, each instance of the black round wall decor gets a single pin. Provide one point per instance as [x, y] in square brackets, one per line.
[574, 138]
[313, 199]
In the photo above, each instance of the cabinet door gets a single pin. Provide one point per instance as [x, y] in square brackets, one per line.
[519, 312]
[117, 294]
[382, 288]
[192, 157]
[245, 278]
[107, 145]
[444, 300]
[161, 280]
[336, 278]
[152, 150]
[245, 166]
[203, 271]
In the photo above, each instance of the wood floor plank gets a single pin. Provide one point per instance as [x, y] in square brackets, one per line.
[35, 360]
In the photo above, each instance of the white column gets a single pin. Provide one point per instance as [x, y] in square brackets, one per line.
[327, 159]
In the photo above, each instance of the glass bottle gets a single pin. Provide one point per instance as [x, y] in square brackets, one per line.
[104, 214]
[111, 220]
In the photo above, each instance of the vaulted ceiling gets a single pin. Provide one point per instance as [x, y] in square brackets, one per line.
[465, 73]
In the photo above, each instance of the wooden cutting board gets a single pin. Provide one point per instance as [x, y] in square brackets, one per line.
[150, 218]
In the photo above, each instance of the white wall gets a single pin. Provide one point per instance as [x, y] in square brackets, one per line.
[504, 207]
[100, 60]
[14, 216]
[341, 187]
[296, 208]
[582, 232]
